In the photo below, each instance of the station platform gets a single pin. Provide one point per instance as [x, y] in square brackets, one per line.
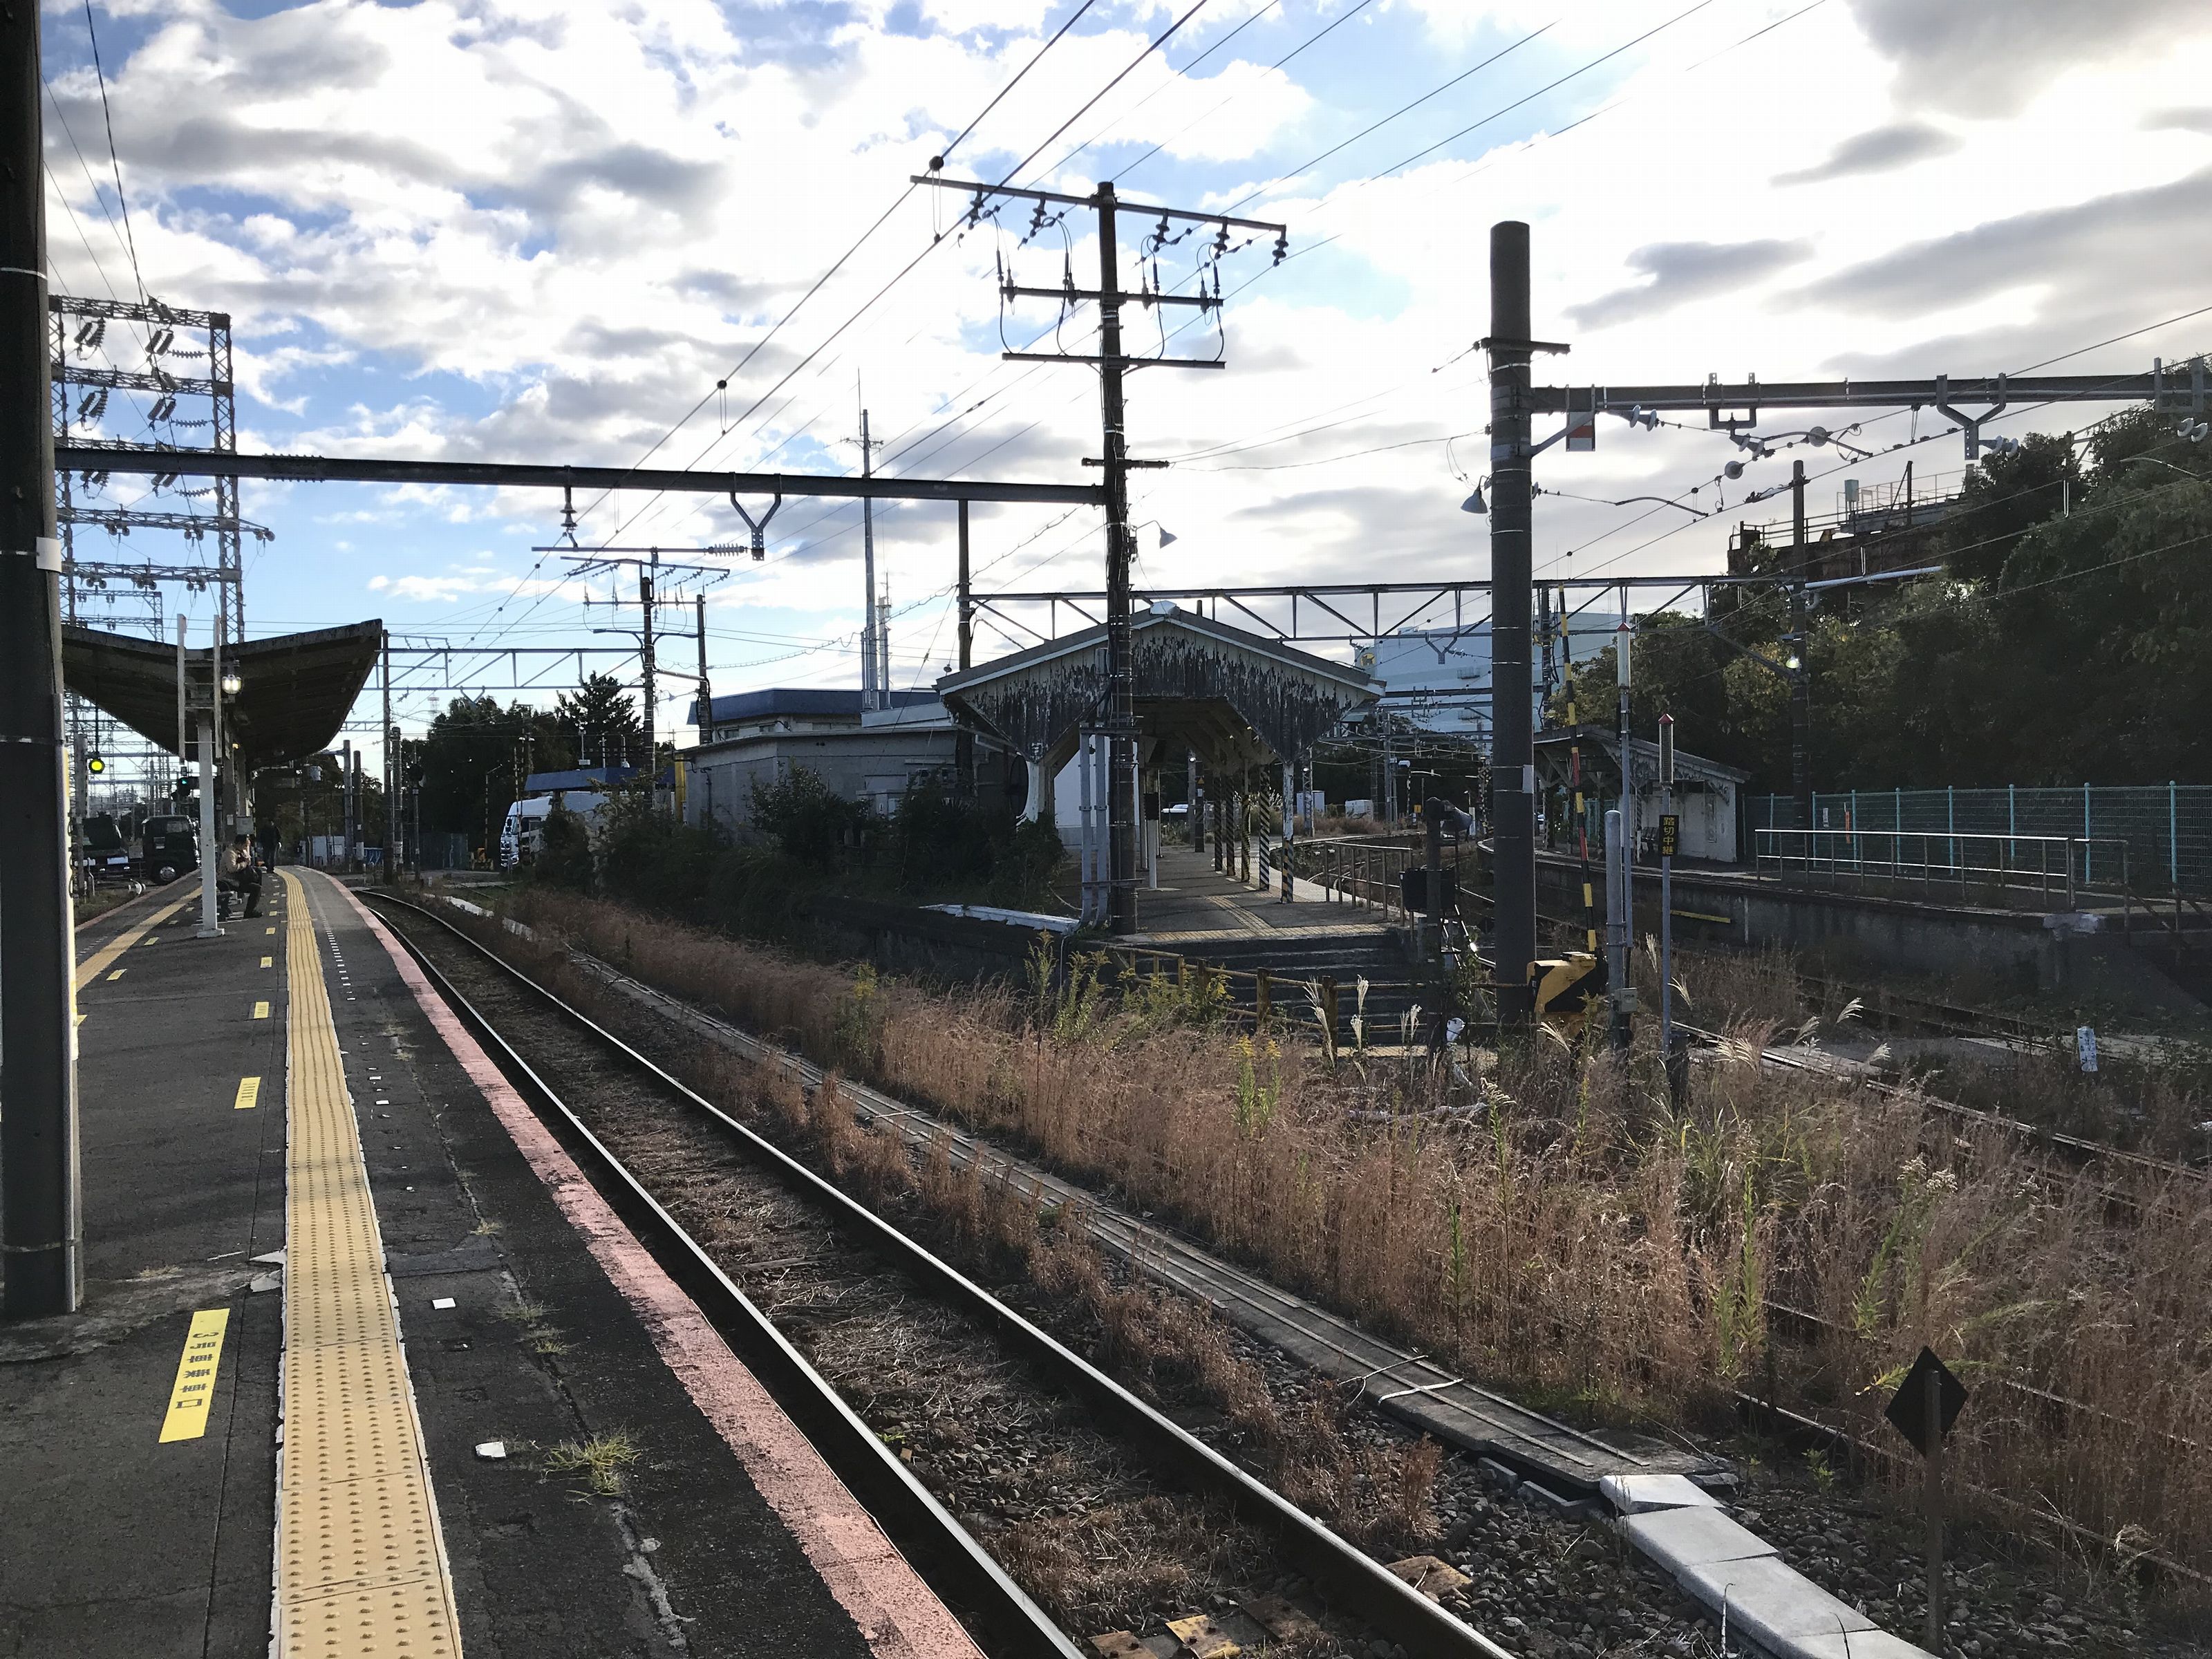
[365, 1367]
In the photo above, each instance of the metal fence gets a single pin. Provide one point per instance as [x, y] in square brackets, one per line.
[2167, 828]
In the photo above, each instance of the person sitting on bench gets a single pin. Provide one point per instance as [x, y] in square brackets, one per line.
[240, 875]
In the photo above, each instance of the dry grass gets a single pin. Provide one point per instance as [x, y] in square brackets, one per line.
[1570, 1236]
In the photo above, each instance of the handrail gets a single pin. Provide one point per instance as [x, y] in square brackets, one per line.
[2076, 863]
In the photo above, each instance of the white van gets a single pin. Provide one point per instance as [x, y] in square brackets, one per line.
[523, 834]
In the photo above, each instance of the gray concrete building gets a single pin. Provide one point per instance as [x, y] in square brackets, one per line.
[756, 738]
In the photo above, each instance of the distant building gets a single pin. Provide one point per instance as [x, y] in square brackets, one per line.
[757, 738]
[1708, 794]
[1438, 679]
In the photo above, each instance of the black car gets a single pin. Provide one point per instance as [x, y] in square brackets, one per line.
[168, 848]
[105, 852]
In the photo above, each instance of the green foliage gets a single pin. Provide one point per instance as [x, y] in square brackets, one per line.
[811, 824]
[645, 856]
[856, 1034]
[564, 851]
[1258, 1086]
[2069, 641]
[1072, 1005]
[476, 758]
[602, 721]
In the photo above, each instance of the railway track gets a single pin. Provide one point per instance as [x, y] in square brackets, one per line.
[925, 1391]
[2076, 1149]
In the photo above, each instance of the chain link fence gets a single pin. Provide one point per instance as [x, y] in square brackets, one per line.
[2167, 827]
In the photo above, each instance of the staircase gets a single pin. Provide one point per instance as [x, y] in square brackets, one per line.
[1292, 960]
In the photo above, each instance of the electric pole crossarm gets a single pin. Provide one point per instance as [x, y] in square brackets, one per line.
[1015, 293]
[321, 468]
[132, 381]
[1124, 362]
[97, 575]
[981, 192]
[190, 524]
[1875, 394]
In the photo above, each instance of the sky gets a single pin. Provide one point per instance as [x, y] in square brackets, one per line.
[542, 231]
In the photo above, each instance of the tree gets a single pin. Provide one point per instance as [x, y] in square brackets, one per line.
[476, 758]
[564, 850]
[602, 719]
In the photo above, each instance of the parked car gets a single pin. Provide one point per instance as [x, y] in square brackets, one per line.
[168, 846]
[524, 831]
[105, 853]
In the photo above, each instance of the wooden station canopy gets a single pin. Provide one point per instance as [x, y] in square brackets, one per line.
[1239, 700]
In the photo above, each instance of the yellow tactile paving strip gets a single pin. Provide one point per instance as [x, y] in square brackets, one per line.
[360, 1568]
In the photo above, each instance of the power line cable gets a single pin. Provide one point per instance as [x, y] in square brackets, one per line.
[1157, 41]
[1259, 12]
[1328, 29]
[937, 162]
[1403, 110]
[130, 237]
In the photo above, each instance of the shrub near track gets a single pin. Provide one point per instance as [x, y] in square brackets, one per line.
[1565, 1234]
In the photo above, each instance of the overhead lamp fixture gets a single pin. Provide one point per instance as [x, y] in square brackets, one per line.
[1167, 537]
[1475, 504]
[1792, 662]
[230, 683]
[1733, 470]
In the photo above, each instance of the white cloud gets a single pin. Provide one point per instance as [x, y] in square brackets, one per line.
[545, 230]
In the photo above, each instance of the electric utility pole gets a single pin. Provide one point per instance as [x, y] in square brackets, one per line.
[390, 772]
[1513, 753]
[706, 690]
[41, 1220]
[645, 575]
[874, 692]
[649, 570]
[1799, 656]
[1120, 722]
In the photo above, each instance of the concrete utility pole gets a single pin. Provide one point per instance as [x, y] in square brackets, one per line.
[964, 742]
[1799, 656]
[645, 575]
[1120, 550]
[183, 736]
[1513, 753]
[870, 692]
[345, 803]
[1624, 993]
[41, 1220]
[390, 771]
[1120, 701]
[706, 691]
[211, 739]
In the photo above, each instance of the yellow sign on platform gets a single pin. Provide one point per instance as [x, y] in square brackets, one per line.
[261, 1011]
[249, 1093]
[195, 1386]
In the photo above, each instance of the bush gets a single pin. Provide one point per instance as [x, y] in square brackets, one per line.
[564, 852]
[811, 824]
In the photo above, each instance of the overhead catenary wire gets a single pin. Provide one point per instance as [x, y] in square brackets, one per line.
[130, 237]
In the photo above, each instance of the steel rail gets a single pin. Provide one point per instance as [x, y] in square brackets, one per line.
[1377, 1596]
[954, 1564]
[2074, 1146]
